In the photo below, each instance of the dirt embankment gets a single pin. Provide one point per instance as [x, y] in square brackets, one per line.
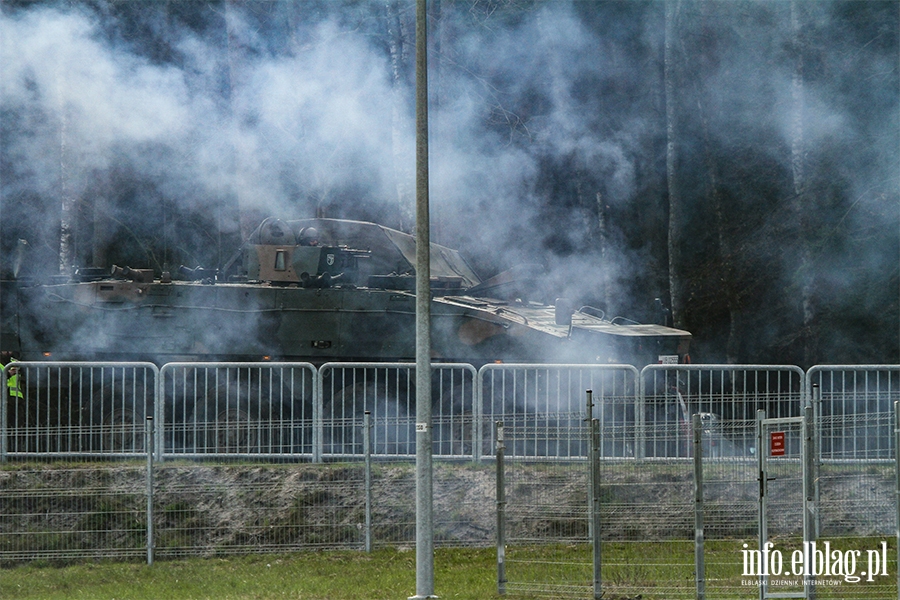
[230, 508]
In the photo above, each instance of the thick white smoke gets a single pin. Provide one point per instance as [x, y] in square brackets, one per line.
[304, 127]
[547, 129]
[74, 95]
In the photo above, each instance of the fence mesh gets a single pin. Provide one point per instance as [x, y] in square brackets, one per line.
[547, 404]
[646, 525]
[730, 514]
[387, 391]
[57, 513]
[856, 473]
[250, 464]
[235, 509]
[546, 505]
[647, 522]
[854, 408]
[210, 509]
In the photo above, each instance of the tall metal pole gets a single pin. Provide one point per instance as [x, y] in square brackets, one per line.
[424, 483]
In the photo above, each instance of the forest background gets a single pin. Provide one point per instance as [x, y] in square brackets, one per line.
[738, 159]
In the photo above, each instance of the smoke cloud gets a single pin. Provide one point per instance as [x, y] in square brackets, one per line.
[173, 128]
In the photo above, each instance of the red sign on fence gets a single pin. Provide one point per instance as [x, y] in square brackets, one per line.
[776, 443]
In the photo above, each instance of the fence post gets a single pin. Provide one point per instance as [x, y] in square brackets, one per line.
[477, 416]
[761, 450]
[4, 400]
[595, 505]
[810, 506]
[589, 415]
[699, 565]
[150, 447]
[318, 417]
[501, 511]
[640, 436]
[897, 477]
[589, 412]
[816, 459]
[367, 444]
[159, 412]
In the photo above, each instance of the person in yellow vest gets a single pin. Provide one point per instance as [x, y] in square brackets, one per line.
[12, 376]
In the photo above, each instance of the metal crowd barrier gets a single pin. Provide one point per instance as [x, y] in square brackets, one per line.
[76, 409]
[295, 409]
[543, 408]
[854, 411]
[726, 397]
[237, 409]
[853, 407]
[387, 392]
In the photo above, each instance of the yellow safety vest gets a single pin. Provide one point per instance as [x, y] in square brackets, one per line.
[12, 383]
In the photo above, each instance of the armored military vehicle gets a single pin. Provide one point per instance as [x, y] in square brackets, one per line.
[307, 291]
[315, 290]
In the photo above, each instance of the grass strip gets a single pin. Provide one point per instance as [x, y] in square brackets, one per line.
[655, 570]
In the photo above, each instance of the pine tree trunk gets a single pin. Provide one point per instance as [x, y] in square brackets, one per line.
[401, 136]
[725, 264]
[801, 199]
[603, 243]
[248, 218]
[67, 208]
[675, 286]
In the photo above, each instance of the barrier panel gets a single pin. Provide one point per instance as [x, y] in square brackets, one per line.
[387, 391]
[855, 459]
[726, 397]
[853, 407]
[237, 409]
[72, 409]
[543, 408]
